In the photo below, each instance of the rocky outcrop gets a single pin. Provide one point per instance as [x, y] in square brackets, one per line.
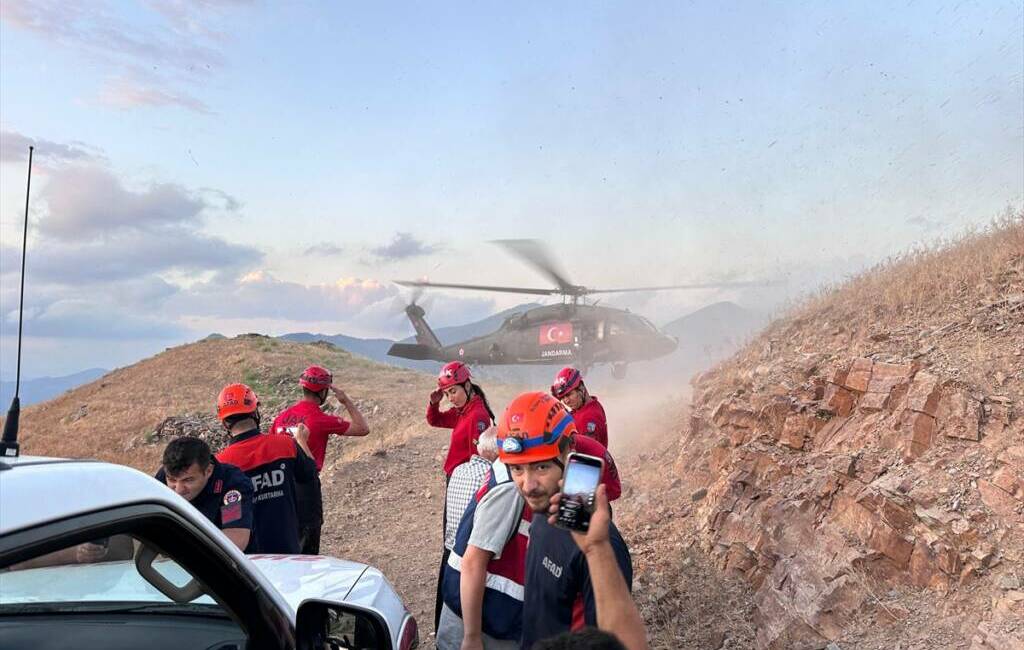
[830, 481]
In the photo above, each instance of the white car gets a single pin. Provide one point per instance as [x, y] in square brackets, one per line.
[101, 556]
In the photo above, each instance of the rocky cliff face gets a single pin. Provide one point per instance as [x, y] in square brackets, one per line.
[869, 472]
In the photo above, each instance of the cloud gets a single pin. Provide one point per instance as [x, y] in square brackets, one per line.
[14, 148]
[191, 17]
[259, 294]
[88, 319]
[149, 57]
[128, 93]
[355, 306]
[108, 259]
[404, 246]
[324, 250]
[129, 255]
[85, 201]
[92, 27]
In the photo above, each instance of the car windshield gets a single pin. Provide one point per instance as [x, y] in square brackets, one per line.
[95, 573]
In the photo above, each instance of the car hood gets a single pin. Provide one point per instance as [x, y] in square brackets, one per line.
[300, 577]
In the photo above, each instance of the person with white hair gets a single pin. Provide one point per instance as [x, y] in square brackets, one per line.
[465, 481]
[484, 568]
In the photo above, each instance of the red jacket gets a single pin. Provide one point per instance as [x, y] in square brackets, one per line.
[321, 426]
[610, 475]
[466, 423]
[591, 421]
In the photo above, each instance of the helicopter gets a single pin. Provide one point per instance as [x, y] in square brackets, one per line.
[571, 332]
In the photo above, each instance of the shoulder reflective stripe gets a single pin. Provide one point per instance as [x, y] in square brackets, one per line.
[455, 561]
[494, 582]
[505, 586]
[524, 528]
[501, 474]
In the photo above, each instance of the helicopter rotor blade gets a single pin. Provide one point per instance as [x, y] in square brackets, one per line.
[537, 255]
[697, 285]
[475, 287]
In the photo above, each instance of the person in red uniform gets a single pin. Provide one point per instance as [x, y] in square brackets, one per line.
[274, 463]
[610, 474]
[587, 412]
[316, 383]
[469, 416]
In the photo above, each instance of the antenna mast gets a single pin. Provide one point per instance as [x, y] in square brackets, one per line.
[9, 442]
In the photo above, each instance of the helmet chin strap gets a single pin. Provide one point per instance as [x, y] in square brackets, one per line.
[322, 395]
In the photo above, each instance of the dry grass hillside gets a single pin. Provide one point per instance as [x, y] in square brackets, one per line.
[860, 465]
[127, 415]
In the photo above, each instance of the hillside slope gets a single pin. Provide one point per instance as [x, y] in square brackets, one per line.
[861, 463]
[127, 414]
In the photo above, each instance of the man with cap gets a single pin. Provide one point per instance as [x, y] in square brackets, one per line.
[222, 492]
[534, 440]
[586, 409]
[274, 463]
[316, 382]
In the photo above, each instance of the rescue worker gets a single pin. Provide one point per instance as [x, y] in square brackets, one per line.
[534, 439]
[222, 492]
[316, 383]
[610, 473]
[469, 417]
[587, 411]
[274, 463]
[483, 579]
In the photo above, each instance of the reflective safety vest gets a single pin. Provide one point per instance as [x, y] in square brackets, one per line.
[502, 611]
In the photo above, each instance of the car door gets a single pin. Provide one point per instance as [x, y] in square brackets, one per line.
[122, 577]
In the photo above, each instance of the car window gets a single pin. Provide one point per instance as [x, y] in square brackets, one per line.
[100, 571]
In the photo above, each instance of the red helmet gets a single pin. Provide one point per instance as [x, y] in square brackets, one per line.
[236, 399]
[453, 374]
[316, 379]
[532, 428]
[566, 381]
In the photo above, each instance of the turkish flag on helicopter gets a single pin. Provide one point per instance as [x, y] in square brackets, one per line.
[555, 333]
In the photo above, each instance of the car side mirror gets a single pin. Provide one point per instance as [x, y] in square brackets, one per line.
[324, 625]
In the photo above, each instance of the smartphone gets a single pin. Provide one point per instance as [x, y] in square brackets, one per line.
[582, 476]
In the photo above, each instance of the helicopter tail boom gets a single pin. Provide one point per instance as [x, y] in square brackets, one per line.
[415, 351]
[424, 335]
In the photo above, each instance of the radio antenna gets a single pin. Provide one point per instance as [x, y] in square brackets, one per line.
[9, 442]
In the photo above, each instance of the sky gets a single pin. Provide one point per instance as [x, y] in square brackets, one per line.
[235, 166]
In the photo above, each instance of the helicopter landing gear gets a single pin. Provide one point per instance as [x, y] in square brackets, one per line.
[619, 370]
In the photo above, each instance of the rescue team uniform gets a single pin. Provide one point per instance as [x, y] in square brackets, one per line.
[274, 463]
[559, 595]
[466, 423]
[496, 520]
[591, 421]
[610, 473]
[309, 496]
[226, 500]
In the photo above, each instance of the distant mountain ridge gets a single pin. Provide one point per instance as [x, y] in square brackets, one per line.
[40, 389]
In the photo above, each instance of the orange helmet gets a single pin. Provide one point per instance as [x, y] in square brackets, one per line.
[236, 399]
[531, 428]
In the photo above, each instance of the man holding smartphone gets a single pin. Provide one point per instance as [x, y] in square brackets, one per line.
[535, 439]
